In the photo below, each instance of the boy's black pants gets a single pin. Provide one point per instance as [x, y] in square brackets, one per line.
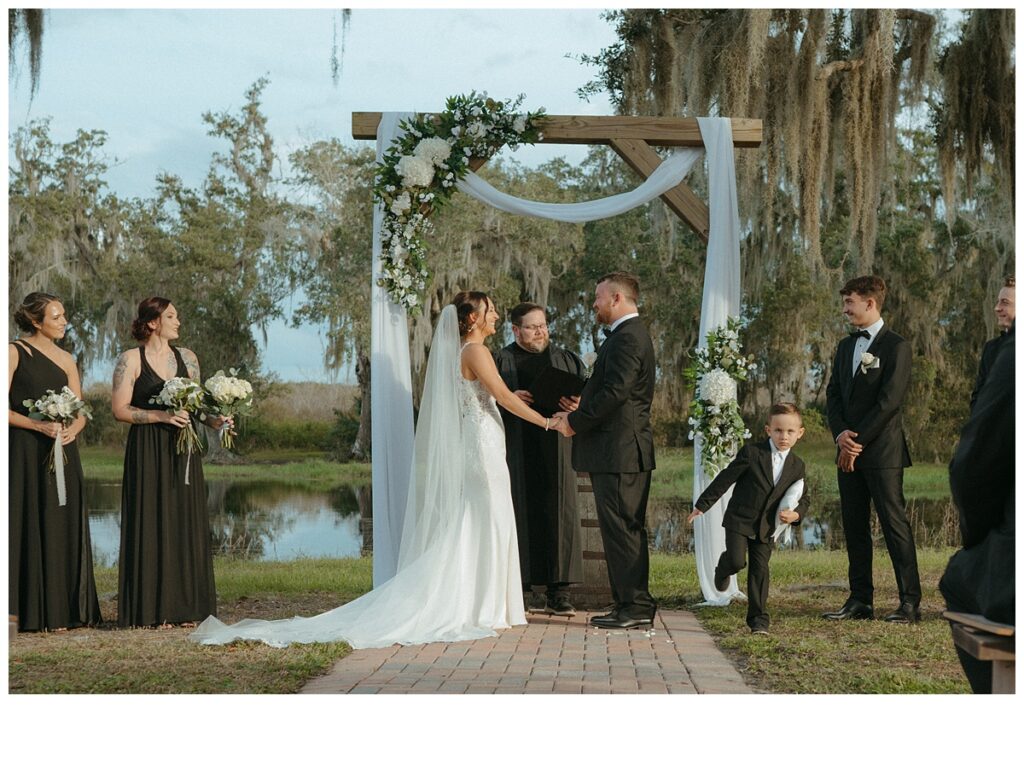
[733, 560]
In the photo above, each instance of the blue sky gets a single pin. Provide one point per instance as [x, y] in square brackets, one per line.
[146, 77]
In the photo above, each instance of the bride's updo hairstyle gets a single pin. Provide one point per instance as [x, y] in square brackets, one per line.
[466, 303]
[150, 309]
[33, 310]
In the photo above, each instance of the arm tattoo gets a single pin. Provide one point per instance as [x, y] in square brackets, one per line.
[191, 363]
[119, 369]
[139, 415]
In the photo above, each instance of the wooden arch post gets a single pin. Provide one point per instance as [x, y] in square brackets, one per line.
[634, 139]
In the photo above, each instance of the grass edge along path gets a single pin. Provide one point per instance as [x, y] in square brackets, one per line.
[803, 654]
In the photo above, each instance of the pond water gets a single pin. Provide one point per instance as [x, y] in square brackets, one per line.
[253, 520]
[282, 522]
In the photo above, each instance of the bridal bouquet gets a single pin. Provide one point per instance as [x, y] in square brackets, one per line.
[182, 393]
[227, 396]
[418, 173]
[62, 407]
[715, 412]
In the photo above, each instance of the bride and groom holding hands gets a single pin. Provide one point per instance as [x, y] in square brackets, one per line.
[458, 574]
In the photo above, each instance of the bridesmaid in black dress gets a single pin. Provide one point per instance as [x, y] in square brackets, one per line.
[51, 584]
[165, 571]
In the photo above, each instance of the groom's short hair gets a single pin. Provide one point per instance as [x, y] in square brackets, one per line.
[516, 314]
[866, 286]
[626, 283]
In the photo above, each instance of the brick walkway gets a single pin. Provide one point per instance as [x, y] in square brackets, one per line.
[549, 655]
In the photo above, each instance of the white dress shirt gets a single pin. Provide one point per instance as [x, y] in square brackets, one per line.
[615, 324]
[862, 344]
[778, 461]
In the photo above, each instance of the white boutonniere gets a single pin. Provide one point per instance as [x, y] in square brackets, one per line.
[869, 361]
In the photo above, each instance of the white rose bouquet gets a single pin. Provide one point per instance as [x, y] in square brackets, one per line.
[62, 407]
[227, 396]
[183, 394]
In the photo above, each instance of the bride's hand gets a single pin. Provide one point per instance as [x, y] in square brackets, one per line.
[554, 422]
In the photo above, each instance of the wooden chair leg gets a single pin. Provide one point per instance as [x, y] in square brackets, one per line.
[1003, 673]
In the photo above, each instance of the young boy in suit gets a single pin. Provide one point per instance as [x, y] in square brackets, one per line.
[762, 471]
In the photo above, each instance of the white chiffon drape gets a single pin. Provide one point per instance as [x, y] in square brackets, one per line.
[458, 571]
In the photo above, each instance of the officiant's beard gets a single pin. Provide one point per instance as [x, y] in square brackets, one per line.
[534, 346]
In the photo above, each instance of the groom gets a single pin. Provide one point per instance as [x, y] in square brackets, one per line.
[616, 447]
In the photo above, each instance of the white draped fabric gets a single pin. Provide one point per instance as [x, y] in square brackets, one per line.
[391, 387]
[670, 173]
[390, 396]
[721, 299]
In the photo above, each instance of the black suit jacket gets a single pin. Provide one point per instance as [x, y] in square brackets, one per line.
[871, 402]
[980, 577]
[988, 357]
[751, 510]
[613, 421]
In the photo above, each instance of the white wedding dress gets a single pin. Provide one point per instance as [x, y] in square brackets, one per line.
[458, 566]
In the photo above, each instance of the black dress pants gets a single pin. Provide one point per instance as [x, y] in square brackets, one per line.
[883, 487]
[621, 501]
[734, 559]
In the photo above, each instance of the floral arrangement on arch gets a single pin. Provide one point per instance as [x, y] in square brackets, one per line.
[417, 175]
[715, 412]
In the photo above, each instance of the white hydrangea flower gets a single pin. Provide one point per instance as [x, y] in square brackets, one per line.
[717, 387]
[434, 149]
[519, 124]
[415, 171]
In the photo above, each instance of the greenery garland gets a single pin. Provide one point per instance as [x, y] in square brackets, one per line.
[715, 411]
[417, 175]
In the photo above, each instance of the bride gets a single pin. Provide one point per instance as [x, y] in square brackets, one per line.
[458, 566]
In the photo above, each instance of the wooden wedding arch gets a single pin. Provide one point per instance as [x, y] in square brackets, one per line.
[633, 138]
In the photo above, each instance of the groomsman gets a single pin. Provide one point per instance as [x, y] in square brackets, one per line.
[616, 446]
[540, 465]
[1006, 312]
[870, 376]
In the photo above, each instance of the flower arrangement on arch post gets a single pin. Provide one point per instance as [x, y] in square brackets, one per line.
[715, 411]
[417, 176]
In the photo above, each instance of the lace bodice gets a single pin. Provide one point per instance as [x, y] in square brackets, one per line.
[481, 420]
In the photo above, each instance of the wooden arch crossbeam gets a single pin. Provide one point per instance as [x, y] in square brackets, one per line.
[633, 138]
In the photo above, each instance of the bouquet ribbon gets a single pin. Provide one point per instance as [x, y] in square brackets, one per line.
[58, 469]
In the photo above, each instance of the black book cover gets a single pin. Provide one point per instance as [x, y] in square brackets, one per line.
[551, 385]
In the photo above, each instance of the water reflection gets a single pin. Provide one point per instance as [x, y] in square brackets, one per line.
[254, 520]
[933, 521]
[257, 520]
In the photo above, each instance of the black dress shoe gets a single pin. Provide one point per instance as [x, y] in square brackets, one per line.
[623, 622]
[721, 582]
[560, 606]
[906, 613]
[853, 609]
[612, 615]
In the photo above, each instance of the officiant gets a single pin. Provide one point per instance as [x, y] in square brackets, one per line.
[540, 462]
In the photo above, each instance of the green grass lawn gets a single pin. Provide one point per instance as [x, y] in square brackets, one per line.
[308, 467]
[803, 654]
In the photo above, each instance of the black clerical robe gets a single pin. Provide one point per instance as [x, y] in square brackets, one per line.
[542, 476]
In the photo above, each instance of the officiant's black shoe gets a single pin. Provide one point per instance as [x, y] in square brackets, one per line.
[560, 606]
[721, 582]
[851, 610]
[906, 613]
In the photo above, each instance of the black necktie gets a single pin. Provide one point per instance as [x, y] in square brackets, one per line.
[606, 331]
[861, 333]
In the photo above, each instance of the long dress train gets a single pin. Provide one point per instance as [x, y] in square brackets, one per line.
[458, 573]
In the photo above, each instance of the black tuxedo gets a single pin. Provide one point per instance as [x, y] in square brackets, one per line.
[750, 517]
[870, 403]
[614, 443]
[980, 577]
[988, 358]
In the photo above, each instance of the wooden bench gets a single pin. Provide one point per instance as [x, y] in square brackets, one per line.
[986, 641]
